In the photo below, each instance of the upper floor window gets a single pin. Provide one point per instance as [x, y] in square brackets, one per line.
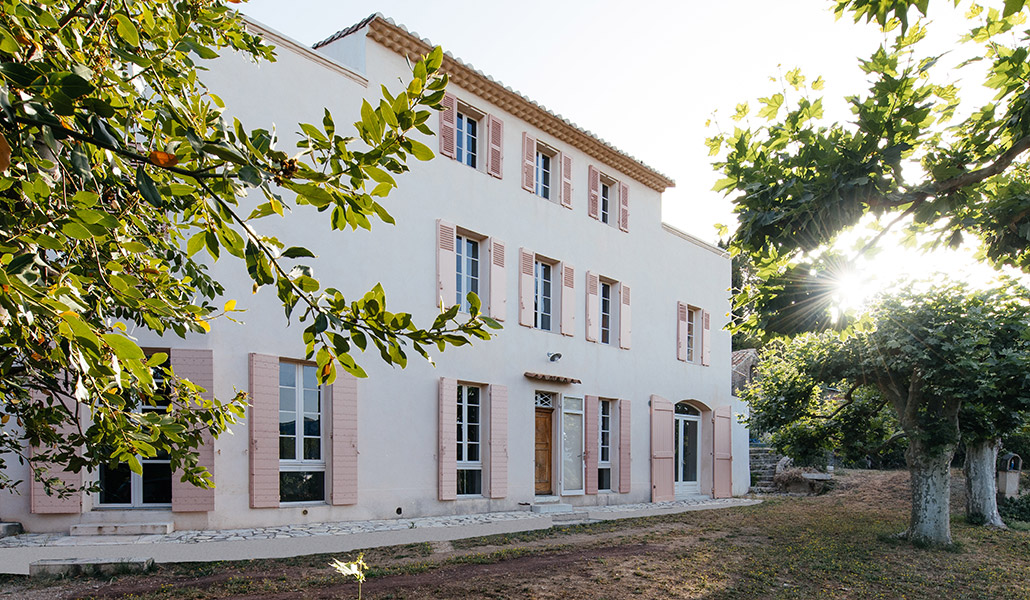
[608, 200]
[466, 270]
[301, 461]
[606, 191]
[692, 343]
[467, 147]
[543, 175]
[604, 442]
[543, 285]
[470, 460]
[692, 314]
[606, 312]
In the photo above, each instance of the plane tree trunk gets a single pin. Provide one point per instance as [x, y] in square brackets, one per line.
[981, 483]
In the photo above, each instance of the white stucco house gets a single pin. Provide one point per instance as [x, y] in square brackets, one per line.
[609, 383]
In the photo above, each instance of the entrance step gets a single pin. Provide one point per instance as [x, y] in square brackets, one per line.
[552, 508]
[9, 529]
[122, 529]
[64, 567]
[546, 499]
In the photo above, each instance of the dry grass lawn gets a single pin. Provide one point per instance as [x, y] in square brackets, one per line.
[838, 546]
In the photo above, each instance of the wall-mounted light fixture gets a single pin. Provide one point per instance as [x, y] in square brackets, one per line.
[554, 356]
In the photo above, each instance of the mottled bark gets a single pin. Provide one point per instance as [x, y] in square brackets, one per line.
[981, 483]
[931, 492]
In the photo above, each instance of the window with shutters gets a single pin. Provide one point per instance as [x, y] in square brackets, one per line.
[301, 434]
[606, 312]
[543, 174]
[543, 295]
[693, 334]
[471, 136]
[466, 270]
[119, 486]
[469, 440]
[604, 442]
[467, 142]
[608, 199]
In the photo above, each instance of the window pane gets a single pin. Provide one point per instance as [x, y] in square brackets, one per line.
[157, 483]
[301, 486]
[312, 401]
[473, 452]
[287, 423]
[473, 420]
[287, 448]
[288, 374]
[312, 448]
[312, 425]
[470, 481]
[310, 377]
[690, 460]
[287, 399]
[604, 479]
[115, 485]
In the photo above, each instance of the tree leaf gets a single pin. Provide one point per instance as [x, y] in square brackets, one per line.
[126, 30]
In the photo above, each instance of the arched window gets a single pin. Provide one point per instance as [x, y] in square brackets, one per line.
[686, 409]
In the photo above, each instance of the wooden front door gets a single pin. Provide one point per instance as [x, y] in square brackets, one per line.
[544, 419]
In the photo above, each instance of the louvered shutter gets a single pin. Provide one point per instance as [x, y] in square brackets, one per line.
[498, 441]
[496, 150]
[568, 298]
[198, 367]
[448, 128]
[566, 180]
[40, 503]
[681, 331]
[343, 400]
[593, 307]
[526, 288]
[263, 426]
[722, 441]
[594, 192]
[706, 339]
[624, 207]
[625, 318]
[498, 302]
[528, 162]
[447, 451]
[662, 450]
[625, 453]
[591, 424]
[446, 269]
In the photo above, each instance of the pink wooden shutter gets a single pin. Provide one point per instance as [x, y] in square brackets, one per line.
[343, 398]
[662, 451]
[625, 448]
[528, 162]
[198, 367]
[625, 318]
[568, 298]
[447, 457]
[526, 287]
[593, 307]
[446, 282]
[263, 425]
[591, 425]
[498, 441]
[39, 502]
[706, 339]
[566, 180]
[448, 128]
[681, 331]
[593, 192]
[496, 150]
[498, 302]
[624, 207]
[722, 485]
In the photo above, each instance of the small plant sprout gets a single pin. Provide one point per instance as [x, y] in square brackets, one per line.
[354, 568]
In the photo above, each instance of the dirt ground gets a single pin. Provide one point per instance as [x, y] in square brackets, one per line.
[839, 545]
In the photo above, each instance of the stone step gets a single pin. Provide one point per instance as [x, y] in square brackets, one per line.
[122, 528]
[551, 508]
[9, 529]
[763, 489]
[66, 567]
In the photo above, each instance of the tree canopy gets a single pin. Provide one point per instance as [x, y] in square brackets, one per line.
[920, 154]
[119, 173]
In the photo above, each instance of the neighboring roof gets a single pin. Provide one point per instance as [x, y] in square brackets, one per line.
[695, 240]
[740, 356]
[399, 39]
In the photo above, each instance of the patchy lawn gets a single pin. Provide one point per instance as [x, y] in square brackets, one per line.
[836, 546]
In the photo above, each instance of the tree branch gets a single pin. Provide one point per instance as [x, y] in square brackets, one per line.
[849, 400]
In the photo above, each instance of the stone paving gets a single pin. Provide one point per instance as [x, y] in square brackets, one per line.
[36, 540]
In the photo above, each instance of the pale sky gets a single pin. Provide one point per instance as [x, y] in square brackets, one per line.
[643, 75]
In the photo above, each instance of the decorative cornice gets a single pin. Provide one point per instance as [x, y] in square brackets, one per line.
[551, 378]
[401, 41]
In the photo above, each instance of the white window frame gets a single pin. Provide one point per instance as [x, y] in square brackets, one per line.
[464, 426]
[543, 294]
[602, 428]
[604, 203]
[567, 412]
[464, 139]
[465, 280]
[605, 333]
[299, 463]
[544, 165]
[136, 481]
[693, 323]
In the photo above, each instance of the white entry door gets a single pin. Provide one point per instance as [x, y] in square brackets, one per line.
[687, 460]
[572, 464]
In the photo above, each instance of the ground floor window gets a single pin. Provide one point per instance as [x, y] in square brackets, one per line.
[469, 439]
[604, 441]
[301, 457]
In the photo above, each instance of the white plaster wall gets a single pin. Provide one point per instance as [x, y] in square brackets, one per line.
[398, 408]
